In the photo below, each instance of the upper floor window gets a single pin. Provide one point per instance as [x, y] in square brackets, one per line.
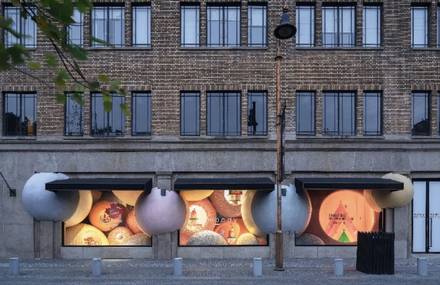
[141, 112]
[223, 26]
[338, 26]
[19, 117]
[108, 26]
[190, 25]
[305, 24]
[107, 123]
[190, 114]
[257, 25]
[26, 27]
[257, 113]
[305, 113]
[141, 26]
[438, 26]
[421, 118]
[73, 120]
[339, 113]
[224, 114]
[75, 31]
[419, 26]
[372, 113]
[371, 27]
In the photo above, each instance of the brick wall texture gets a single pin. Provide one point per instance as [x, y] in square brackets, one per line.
[165, 69]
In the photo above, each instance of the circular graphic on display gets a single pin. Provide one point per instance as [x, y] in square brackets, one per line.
[128, 197]
[82, 210]
[228, 202]
[96, 195]
[138, 239]
[132, 222]
[343, 213]
[201, 215]
[195, 195]
[309, 239]
[230, 230]
[246, 213]
[207, 238]
[247, 239]
[85, 235]
[119, 236]
[106, 215]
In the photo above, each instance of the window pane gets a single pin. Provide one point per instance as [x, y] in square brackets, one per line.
[141, 26]
[99, 26]
[305, 113]
[108, 26]
[338, 26]
[372, 26]
[305, 23]
[215, 26]
[190, 22]
[107, 123]
[73, 117]
[75, 31]
[116, 26]
[224, 114]
[346, 26]
[29, 29]
[421, 119]
[232, 23]
[26, 27]
[257, 113]
[20, 114]
[257, 26]
[215, 114]
[347, 114]
[419, 25]
[372, 114]
[223, 26]
[232, 114]
[419, 216]
[190, 114]
[141, 117]
[331, 113]
[339, 113]
[330, 26]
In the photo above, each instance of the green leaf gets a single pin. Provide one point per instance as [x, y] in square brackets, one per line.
[78, 98]
[51, 59]
[107, 101]
[83, 5]
[61, 98]
[17, 54]
[34, 65]
[61, 10]
[114, 85]
[94, 85]
[100, 41]
[76, 52]
[61, 78]
[103, 78]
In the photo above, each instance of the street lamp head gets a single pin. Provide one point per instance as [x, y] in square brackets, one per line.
[285, 30]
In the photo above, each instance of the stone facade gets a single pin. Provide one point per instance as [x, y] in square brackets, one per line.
[166, 69]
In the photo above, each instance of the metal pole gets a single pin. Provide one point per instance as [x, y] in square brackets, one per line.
[279, 258]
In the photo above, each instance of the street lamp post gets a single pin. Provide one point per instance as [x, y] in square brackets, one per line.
[283, 31]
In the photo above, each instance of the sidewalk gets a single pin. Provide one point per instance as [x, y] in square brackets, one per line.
[219, 271]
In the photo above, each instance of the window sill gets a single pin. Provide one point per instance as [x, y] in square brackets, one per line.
[423, 137]
[118, 49]
[106, 138]
[204, 48]
[23, 138]
[357, 48]
[425, 49]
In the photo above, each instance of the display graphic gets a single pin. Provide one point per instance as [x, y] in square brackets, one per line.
[216, 220]
[106, 223]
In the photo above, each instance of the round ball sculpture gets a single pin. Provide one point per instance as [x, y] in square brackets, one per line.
[296, 210]
[128, 197]
[46, 205]
[393, 199]
[246, 213]
[157, 214]
[82, 210]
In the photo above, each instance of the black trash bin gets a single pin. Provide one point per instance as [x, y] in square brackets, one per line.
[375, 253]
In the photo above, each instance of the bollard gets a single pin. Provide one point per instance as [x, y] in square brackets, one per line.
[339, 267]
[14, 266]
[178, 267]
[96, 266]
[422, 266]
[258, 267]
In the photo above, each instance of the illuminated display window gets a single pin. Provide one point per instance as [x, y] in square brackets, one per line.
[218, 218]
[102, 219]
[337, 217]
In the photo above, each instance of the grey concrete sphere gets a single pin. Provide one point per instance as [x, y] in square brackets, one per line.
[46, 205]
[157, 214]
[296, 211]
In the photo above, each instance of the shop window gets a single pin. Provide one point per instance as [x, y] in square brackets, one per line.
[107, 123]
[26, 27]
[141, 114]
[257, 114]
[190, 25]
[224, 114]
[108, 26]
[372, 113]
[75, 31]
[339, 113]
[338, 26]
[214, 218]
[19, 115]
[305, 23]
[190, 114]
[371, 26]
[257, 30]
[141, 26]
[421, 120]
[73, 121]
[419, 27]
[223, 26]
[337, 217]
[305, 113]
[102, 219]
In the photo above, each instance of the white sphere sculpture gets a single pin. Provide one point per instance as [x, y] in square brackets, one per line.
[393, 199]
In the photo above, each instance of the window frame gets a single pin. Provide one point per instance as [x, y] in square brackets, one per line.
[183, 94]
[339, 17]
[264, 94]
[313, 95]
[134, 7]
[81, 133]
[108, 7]
[35, 112]
[312, 37]
[340, 133]
[106, 135]
[148, 95]
[224, 133]
[427, 29]
[379, 22]
[223, 39]
[183, 6]
[22, 25]
[379, 94]
[80, 25]
[252, 5]
[428, 105]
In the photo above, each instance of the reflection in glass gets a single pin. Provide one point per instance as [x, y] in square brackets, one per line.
[107, 123]
[223, 26]
[20, 114]
[108, 26]
[257, 31]
[420, 114]
[142, 26]
[141, 113]
[190, 114]
[339, 113]
[305, 23]
[371, 26]
[419, 27]
[75, 30]
[257, 113]
[189, 25]
[224, 114]
[338, 26]
[73, 117]
[372, 114]
[27, 28]
[305, 113]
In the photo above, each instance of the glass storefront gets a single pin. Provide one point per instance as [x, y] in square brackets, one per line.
[337, 217]
[218, 218]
